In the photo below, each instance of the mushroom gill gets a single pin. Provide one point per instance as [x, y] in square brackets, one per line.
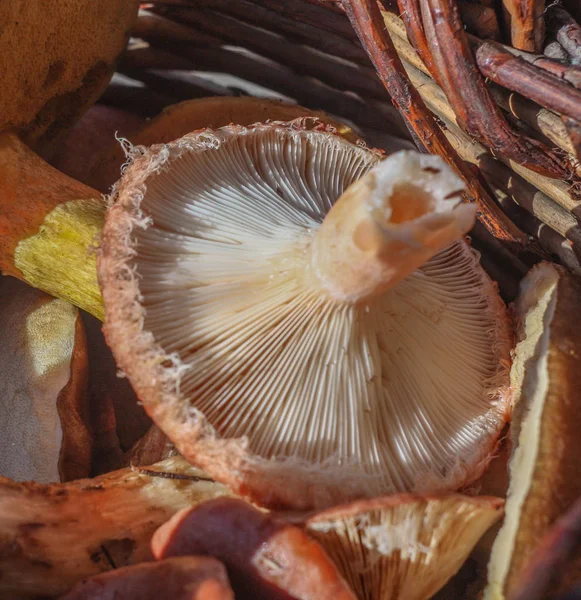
[403, 546]
[270, 300]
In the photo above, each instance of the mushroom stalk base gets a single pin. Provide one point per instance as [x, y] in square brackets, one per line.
[387, 224]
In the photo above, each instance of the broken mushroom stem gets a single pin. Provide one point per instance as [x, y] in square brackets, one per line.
[387, 224]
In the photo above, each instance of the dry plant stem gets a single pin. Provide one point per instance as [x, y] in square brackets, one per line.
[437, 102]
[515, 74]
[265, 72]
[526, 22]
[411, 16]
[54, 535]
[144, 56]
[268, 19]
[566, 30]
[544, 121]
[150, 26]
[573, 128]
[48, 225]
[302, 59]
[481, 20]
[456, 72]
[555, 549]
[378, 44]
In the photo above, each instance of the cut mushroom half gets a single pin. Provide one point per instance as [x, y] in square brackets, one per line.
[303, 319]
[403, 547]
[546, 459]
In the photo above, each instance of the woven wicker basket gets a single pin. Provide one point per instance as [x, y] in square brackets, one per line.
[496, 94]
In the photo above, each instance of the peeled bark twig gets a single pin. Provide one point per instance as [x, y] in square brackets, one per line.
[54, 535]
[455, 70]
[437, 102]
[378, 44]
[566, 31]
[525, 18]
[541, 119]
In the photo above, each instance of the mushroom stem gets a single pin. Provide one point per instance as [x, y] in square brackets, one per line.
[387, 224]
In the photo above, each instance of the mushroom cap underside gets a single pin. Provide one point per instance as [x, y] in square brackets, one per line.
[255, 374]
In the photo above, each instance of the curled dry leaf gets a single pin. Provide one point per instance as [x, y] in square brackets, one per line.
[280, 302]
[266, 559]
[180, 578]
[403, 547]
[44, 420]
[179, 119]
[51, 536]
[544, 466]
[57, 62]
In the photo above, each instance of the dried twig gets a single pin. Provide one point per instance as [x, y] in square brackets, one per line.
[526, 23]
[365, 17]
[293, 29]
[515, 74]
[566, 31]
[544, 121]
[480, 20]
[455, 71]
[300, 58]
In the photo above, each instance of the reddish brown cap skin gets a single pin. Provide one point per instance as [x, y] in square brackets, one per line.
[183, 578]
[266, 559]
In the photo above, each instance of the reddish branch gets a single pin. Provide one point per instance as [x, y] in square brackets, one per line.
[519, 76]
[411, 16]
[368, 23]
[527, 27]
[454, 68]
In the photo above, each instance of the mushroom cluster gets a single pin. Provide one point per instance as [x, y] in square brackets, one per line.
[302, 316]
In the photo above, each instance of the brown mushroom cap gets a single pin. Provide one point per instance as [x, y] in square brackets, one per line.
[179, 578]
[227, 324]
[405, 546]
[266, 559]
[56, 62]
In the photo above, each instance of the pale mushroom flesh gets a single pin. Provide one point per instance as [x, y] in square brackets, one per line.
[218, 306]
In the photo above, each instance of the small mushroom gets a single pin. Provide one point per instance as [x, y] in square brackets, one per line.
[403, 547]
[180, 578]
[54, 535]
[545, 462]
[266, 558]
[298, 316]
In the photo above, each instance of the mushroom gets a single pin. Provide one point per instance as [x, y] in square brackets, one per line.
[182, 118]
[303, 319]
[404, 546]
[180, 578]
[44, 421]
[266, 558]
[57, 60]
[545, 461]
[50, 224]
[53, 535]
